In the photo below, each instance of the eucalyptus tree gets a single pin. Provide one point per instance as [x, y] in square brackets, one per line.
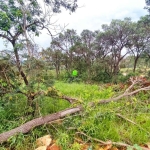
[117, 38]
[102, 52]
[102, 49]
[147, 5]
[83, 52]
[64, 42]
[54, 58]
[139, 40]
[20, 19]
[87, 39]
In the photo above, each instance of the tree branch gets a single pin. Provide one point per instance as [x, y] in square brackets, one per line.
[109, 142]
[37, 122]
[5, 37]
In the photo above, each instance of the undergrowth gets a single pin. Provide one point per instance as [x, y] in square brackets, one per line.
[127, 120]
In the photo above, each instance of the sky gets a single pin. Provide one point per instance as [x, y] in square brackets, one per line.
[91, 14]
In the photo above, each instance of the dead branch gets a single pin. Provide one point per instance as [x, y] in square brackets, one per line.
[109, 142]
[37, 122]
[69, 99]
[125, 94]
[133, 81]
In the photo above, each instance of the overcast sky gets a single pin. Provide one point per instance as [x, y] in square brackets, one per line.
[91, 14]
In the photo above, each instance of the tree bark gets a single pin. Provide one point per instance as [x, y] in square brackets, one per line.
[135, 63]
[37, 122]
[18, 64]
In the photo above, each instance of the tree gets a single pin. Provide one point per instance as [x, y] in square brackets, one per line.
[83, 52]
[139, 39]
[19, 19]
[148, 5]
[87, 39]
[54, 58]
[102, 52]
[64, 42]
[117, 38]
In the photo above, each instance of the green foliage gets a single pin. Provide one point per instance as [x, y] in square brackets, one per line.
[125, 78]
[63, 140]
[102, 77]
[76, 146]
[148, 74]
[4, 21]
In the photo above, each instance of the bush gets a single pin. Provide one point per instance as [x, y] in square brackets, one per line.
[148, 74]
[102, 77]
[122, 78]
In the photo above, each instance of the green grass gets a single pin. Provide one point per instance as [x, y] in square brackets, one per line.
[86, 92]
[101, 121]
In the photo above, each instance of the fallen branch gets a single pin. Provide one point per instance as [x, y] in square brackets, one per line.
[69, 99]
[125, 94]
[37, 122]
[109, 142]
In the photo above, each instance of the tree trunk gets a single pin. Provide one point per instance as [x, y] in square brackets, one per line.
[115, 72]
[135, 63]
[57, 68]
[18, 64]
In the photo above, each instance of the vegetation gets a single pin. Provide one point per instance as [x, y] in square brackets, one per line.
[99, 55]
[107, 99]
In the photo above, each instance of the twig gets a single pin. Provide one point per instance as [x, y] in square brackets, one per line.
[109, 142]
[97, 140]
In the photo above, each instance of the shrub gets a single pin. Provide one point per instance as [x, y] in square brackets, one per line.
[102, 77]
[122, 78]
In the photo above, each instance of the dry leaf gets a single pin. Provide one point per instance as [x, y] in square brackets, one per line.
[100, 148]
[44, 141]
[114, 148]
[107, 147]
[53, 147]
[148, 145]
[84, 146]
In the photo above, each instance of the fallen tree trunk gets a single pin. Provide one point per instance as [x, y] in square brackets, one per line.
[37, 122]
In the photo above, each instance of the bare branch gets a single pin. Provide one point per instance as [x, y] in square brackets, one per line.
[109, 142]
[5, 37]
